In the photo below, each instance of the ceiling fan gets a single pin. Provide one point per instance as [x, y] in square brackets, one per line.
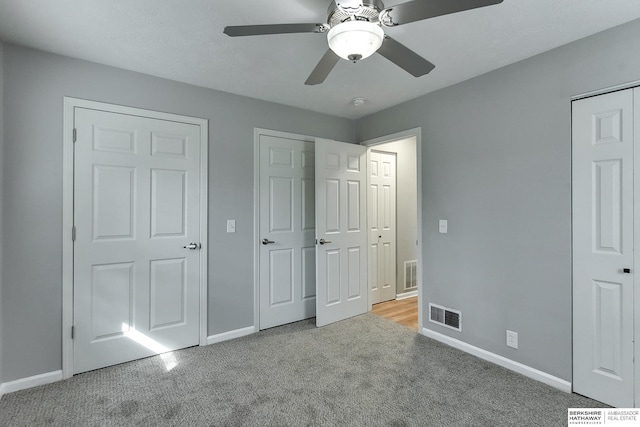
[355, 31]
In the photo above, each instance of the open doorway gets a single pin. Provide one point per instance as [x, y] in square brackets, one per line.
[395, 155]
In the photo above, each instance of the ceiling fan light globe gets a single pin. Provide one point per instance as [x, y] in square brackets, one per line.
[355, 39]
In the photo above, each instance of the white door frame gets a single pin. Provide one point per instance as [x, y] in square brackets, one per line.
[417, 133]
[256, 211]
[636, 245]
[67, 212]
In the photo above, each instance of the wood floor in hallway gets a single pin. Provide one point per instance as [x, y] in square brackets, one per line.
[403, 311]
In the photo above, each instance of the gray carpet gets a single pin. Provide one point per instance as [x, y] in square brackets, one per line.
[365, 371]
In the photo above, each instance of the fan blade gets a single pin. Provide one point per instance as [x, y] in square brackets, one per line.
[322, 70]
[258, 30]
[418, 10]
[405, 58]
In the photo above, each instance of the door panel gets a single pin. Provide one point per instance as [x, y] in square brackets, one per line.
[354, 258]
[281, 281]
[114, 199]
[333, 276]
[353, 206]
[608, 329]
[308, 204]
[382, 226]
[603, 246]
[136, 204]
[309, 273]
[332, 207]
[168, 293]
[287, 218]
[111, 299]
[281, 204]
[168, 203]
[340, 218]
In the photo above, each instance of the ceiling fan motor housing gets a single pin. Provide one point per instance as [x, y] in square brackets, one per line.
[365, 10]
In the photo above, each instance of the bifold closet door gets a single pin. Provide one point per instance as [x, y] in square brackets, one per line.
[341, 231]
[603, 243]
[382, 226]
[287, 231]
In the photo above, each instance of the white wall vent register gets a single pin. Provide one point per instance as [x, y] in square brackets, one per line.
[410, 273]
[445, 317]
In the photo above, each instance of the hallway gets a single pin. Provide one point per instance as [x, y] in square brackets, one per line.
[403, 312]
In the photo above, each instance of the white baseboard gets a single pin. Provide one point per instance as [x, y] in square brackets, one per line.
[225, 336]
[518, 367]
[407, 294]
[24, 383]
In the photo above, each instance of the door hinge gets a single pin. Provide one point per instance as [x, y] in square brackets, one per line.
[75, 134]
[73, 233]
[73, 332]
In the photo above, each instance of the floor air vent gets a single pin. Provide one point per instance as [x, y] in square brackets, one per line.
[446, 317]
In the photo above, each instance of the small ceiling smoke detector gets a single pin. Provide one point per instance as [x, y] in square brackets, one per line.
[358, 101]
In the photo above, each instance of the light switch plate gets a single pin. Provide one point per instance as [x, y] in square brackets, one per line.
[442, 226]
[512, 339]
[231, 226]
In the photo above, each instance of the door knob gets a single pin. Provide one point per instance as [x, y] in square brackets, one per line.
[626, 270]
[267, 241]
[322, 241]
[193, 246]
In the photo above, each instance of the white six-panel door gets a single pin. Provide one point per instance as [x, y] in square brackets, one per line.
[603, 244]
[341, 231]
[136, 205]
[382, 226]
[287, 231]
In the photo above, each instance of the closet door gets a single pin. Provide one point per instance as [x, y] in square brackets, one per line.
[382, 226]
[341, 230]
[603, 221]
[287, 230]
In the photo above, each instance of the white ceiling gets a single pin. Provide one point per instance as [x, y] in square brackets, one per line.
[182, 40]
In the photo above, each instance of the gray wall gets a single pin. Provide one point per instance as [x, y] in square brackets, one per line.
[497, 164]
[406, 203]
[35, 83]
